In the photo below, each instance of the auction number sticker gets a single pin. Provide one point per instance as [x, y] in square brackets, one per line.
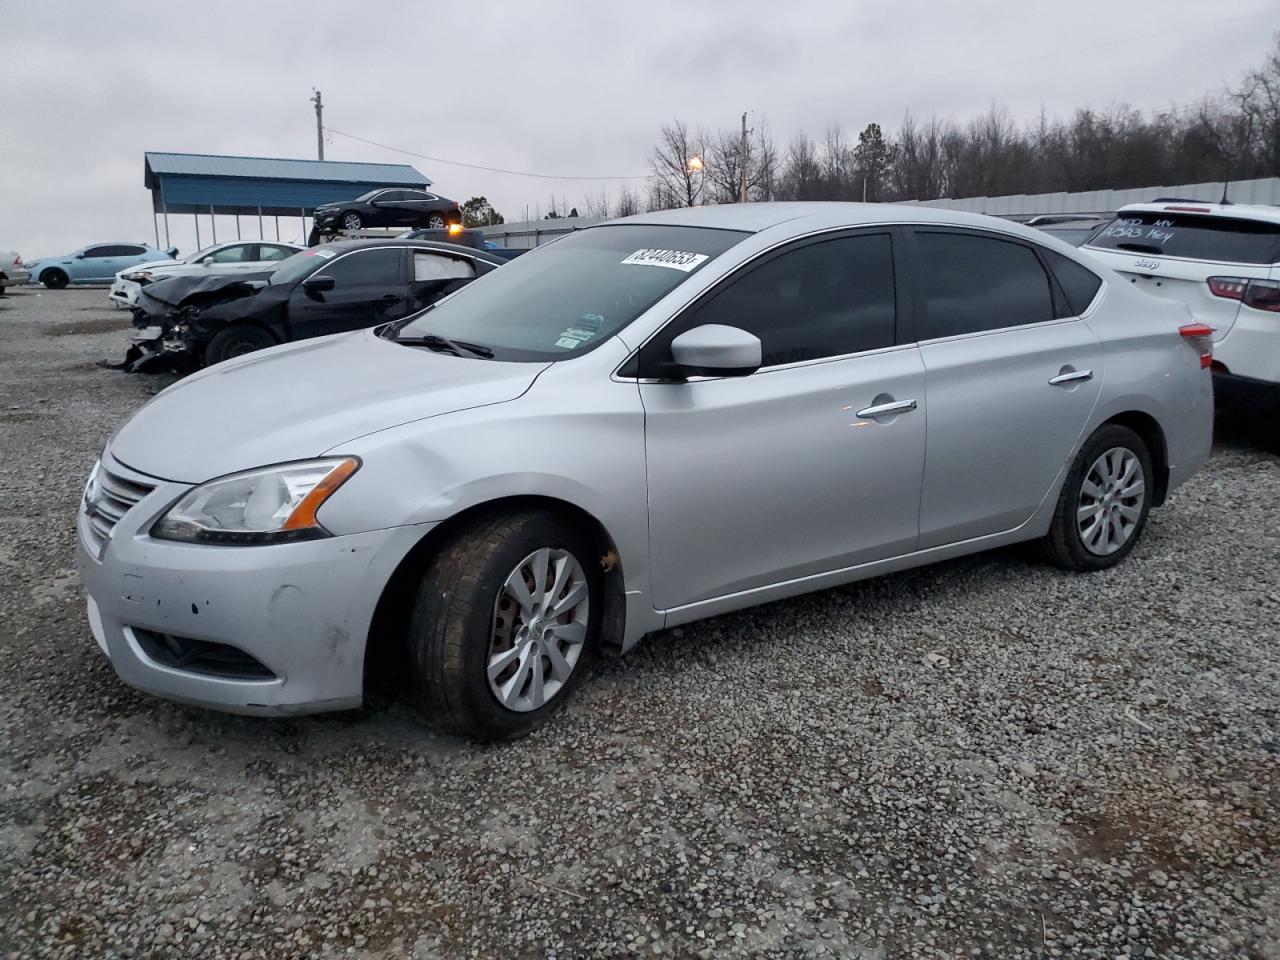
[680, 260]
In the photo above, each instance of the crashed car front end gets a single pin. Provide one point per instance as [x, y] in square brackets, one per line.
[173, 320]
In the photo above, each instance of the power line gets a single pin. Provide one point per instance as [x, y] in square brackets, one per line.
[480, 166]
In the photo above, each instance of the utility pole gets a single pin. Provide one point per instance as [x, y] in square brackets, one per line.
[319, 123]
[742, 163]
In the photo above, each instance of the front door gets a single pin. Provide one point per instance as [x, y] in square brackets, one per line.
[368, 289]
[1012, 378]
[791, 471]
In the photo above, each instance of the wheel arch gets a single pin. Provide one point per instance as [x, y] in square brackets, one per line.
[386, 654]
[45, 271]
[1148, 428]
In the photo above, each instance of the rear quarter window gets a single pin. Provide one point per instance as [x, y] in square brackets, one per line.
[1221, 239]
[1078, 283]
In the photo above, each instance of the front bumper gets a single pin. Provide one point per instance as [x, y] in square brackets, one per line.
[301, 610]
[125, 292]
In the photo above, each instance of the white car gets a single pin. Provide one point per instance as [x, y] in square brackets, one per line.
[1223, 262]
[13, 272]
[237, 256]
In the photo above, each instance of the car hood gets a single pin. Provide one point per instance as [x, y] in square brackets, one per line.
[148, 265]
[201, 289]
[302, 399]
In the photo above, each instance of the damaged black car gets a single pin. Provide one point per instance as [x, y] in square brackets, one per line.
[190, 321]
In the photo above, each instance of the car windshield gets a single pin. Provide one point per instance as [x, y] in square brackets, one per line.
[1224, 239]
[571, 295]
[300, 264]
[368, 196]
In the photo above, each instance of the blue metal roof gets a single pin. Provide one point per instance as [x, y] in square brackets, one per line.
[196, 182]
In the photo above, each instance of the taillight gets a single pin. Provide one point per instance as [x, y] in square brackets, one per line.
[1199, 334]
[17, 260]
[1263, 295]
[1232, 288]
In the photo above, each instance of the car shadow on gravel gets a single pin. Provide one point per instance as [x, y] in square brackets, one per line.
[1259, 432]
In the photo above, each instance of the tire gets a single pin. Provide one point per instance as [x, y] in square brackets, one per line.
[1, 289]
[1114, 461]
[235, 341]
[464, 618]
[437, 221]
[351, 220]
[54, 279]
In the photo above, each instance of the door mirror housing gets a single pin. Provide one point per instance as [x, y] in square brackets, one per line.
[317, 284]
[715, 350]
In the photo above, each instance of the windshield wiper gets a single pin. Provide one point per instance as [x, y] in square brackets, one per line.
[433, 341]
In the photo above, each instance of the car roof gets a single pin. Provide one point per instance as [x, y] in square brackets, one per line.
[803, 215]
[343, 246]
[1233, 211]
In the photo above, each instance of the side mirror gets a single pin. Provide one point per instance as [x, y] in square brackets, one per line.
[715, 350]
[318, 284]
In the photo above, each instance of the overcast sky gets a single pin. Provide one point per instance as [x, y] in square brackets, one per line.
[550, 87]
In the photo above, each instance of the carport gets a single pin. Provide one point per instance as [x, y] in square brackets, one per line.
[198, 183]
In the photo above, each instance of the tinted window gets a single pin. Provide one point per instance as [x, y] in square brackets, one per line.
[570, 295]
[129, 251]
[822, 299]
[267, 251]
[972, 283]
[1079, 284]
[1187, 235]
[99, 252]
[377, 267]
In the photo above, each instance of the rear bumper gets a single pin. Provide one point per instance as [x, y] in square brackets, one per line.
[1236, 394]
[11, 278]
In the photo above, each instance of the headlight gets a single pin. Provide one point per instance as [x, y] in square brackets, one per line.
[135, 277]
[271, 505]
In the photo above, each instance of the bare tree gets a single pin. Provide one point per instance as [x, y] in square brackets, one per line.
[678, 166]
[628, 203]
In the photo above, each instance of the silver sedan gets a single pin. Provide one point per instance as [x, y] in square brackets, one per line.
[645, 423]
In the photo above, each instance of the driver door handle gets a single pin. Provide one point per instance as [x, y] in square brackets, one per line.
[886, 409]
[1071, 377]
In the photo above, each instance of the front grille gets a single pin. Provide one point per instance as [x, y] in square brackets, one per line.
[107, 501]
[201, 656]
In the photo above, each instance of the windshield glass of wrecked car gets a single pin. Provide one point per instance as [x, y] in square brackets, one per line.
[300, 264]
[571, 295]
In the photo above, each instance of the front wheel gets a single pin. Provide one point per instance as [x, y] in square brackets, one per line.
[437, 222]
[351, 221]
[235, 341]
[1104, 503]
[54, 279]
[504, 623]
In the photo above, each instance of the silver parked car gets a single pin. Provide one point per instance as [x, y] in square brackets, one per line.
[13, 272]
[642, 424]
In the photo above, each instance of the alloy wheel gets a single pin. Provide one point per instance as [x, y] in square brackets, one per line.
[436, 222]
[540, 622]
[1109, 507]
[351, 222]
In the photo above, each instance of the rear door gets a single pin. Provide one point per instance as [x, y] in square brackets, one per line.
[368, 289]
[1011, 376]
[1173, 254]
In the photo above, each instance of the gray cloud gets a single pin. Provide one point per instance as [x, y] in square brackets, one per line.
[555, 86]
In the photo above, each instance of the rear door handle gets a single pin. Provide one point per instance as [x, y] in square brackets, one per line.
[1071, 377]
[886, 409]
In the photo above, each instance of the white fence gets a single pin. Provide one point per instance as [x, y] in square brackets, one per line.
[1021, 206]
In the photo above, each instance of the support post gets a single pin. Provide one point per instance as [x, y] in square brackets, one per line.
[277, 219]
[213, 223]
[303, 211]
[319, 125]
[164, 208]
[238, 237]
[156, 223]
[196, 218]
[260, 236]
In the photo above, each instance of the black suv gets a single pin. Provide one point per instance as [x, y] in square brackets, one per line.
[388, 208]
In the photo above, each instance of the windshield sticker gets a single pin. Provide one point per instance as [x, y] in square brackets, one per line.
[573, 337]
[680, 260]
[322, 253]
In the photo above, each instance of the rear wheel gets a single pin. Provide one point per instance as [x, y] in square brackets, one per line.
[54, 279]
[504, 624]
[437, 221]
[1104, 503]
[351, 221]
[235, 341]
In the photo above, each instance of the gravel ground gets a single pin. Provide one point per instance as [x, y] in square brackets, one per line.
[986, 758]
